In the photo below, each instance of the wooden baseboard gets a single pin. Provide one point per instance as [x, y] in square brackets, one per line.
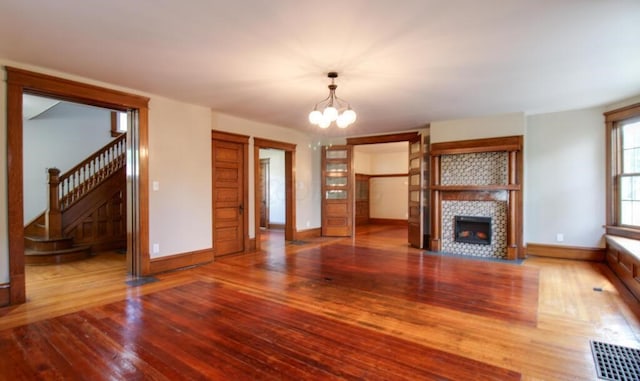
[301, 235]
[388, 221]
[275, 226]
[5, 294]
[174, 262]
[566, 252]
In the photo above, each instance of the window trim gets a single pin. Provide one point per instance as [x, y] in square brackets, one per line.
[614, 168]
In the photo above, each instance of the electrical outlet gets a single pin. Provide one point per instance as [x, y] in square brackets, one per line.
[156, 248]
[560, 237]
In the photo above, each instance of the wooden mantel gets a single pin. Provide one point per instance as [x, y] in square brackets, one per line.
[513, 145]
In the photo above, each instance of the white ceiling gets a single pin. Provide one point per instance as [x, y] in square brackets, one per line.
[402, 64]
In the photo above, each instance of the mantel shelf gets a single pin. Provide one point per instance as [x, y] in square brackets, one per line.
[480, 188]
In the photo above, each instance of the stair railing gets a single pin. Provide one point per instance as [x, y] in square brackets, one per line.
[66, 189]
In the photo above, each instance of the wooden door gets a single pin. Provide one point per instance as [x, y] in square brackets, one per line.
[229, 220]
[415, 193]
[264, 193]
[337, 191]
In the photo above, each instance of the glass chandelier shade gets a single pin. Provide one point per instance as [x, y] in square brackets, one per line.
[334, 109]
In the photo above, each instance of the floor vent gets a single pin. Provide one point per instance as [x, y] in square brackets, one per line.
[298, 243]
[141, 280]
[614, 362]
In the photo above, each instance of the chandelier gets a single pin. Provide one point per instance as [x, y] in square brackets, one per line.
[333, 109]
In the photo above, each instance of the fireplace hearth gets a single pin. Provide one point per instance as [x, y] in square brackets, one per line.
[472, 229]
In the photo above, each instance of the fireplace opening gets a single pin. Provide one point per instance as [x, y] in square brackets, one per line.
[469, 229]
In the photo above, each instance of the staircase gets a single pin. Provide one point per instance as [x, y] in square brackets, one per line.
[86, 212]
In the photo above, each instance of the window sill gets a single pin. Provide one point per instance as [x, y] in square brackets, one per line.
[625, 232]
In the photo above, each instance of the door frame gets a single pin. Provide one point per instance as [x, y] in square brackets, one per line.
[265, 192]
[244, 140]
[21, 81]
[289, 185]
[390, 138]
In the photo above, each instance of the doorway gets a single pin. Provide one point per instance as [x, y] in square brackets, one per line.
[385, 180]
[79, 142]
[265, 191]
[20, 82]
[287, 192]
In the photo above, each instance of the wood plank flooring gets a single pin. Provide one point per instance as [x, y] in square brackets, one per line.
[368, 307]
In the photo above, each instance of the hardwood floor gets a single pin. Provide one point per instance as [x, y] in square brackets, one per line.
[363, 308]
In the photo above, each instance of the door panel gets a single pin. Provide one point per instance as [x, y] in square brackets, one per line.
[228, 191]
[337, 191]
[415, 189]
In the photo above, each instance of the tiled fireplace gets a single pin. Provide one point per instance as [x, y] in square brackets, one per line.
[496, 210]
[477, 181]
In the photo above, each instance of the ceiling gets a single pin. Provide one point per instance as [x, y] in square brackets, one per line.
[402, 64]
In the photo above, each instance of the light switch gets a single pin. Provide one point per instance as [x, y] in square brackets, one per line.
[156, 185]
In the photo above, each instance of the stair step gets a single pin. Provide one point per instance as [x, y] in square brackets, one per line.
[47, 244]
[48, 257]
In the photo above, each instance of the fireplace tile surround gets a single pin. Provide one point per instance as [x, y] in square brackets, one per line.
[479, 178]
[482, 168]
[497, 210]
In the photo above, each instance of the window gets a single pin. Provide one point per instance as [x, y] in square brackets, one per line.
[630, 176]
[623, 171]
[119, 122]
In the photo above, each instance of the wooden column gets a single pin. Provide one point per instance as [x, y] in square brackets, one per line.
[436, 206]
[512, 220]
[53, 217]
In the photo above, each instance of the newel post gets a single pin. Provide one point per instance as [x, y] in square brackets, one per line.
[53, 217]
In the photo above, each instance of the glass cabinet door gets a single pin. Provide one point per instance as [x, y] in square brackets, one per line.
[337, 191]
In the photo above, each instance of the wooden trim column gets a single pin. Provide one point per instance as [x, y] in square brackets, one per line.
[512, 219]
[15, 192]
[436, 206]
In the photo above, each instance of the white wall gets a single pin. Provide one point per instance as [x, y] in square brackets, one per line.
[180, 161]
[389, 198]
[387, 163]
[565, 178]
[478, 128]
[307, 165]
[564, 170]
[389, 195]
[277, 191]
[361, 162]
[61, 137]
